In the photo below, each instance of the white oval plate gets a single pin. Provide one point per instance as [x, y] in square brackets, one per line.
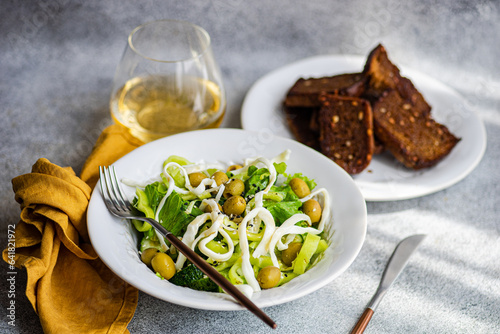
[385, 179]
[116, 241]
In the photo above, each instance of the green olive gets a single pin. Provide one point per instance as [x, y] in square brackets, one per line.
[220, 178]
[196, 178]
[208, 208]
[233, 188]
[312, 209]
[148, 254]
[163, 264]
[269, 277]
[233, 167]
[299, 187]
[234, 205]
[290, 254]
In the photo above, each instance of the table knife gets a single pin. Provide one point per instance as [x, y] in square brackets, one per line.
[394, 267]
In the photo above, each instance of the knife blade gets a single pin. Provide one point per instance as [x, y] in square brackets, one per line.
[394, 267]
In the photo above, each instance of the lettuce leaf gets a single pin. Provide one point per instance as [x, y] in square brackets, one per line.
[281, 211]
[146, 201]
[287, 207]
[258, 179]
[280, 168]
[173, 216]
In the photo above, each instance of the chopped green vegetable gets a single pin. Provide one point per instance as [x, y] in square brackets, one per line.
[280, 168]
[192, 277]
[261, 262]
[322, 246]
[217, 246]
[286, 277]
[235, 273]
[148, 242]
[174, 171]
[301, 263]
[140, 225]
[142, 204]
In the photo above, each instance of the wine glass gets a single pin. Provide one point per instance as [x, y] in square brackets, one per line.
[167, 81]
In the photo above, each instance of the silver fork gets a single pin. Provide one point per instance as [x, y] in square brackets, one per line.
[118, 204]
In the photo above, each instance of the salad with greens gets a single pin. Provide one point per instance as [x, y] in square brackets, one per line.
[257, 224]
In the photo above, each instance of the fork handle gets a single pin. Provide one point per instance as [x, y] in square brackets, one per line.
[208, 270]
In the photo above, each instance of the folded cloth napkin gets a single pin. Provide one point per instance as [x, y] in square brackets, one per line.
[69, 287]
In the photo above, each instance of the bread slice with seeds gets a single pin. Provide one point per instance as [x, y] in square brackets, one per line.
[346, 131]
[305, 92]
[412, 136]
[383, 75]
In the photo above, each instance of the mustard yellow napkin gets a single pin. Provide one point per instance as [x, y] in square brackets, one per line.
[70, 288]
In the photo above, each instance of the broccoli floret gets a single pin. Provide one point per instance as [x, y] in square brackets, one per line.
[193, 278]
[204, 284]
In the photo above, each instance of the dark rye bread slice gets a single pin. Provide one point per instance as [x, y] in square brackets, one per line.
[346, 131]
[413, 137]
[383, 75]
[298, 120]
[305, 92]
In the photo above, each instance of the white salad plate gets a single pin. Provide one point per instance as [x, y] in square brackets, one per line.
[385, 179]
[116, 241]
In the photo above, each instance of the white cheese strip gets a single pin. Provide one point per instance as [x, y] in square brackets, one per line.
[211, 233]
[189, 237]
[246, 266]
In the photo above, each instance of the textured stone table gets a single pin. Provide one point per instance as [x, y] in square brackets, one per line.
[57, 61]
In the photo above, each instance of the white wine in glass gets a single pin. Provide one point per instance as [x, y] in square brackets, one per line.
[167, 82]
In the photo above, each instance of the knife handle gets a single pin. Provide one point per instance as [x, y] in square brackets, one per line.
[362, 322]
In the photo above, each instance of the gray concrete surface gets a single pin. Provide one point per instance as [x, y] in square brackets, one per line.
[57, 61]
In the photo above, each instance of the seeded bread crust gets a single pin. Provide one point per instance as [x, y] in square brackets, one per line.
[346, 131]
[383, 75]
[305, 92]
[413, 137]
